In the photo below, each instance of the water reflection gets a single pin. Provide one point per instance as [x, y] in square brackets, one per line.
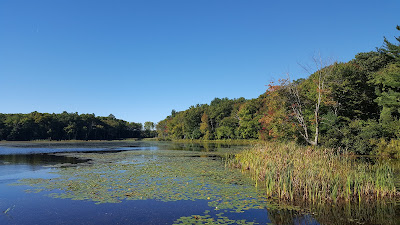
[387, 213]
[14, 167]
[358, 213]
[37, 159]
[288, 217]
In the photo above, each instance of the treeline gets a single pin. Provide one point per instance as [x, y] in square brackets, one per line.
[353, 105]
[69, 126]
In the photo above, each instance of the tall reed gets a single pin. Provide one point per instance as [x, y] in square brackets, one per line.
[289, 171]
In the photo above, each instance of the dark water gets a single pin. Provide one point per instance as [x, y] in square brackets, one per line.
[27, 160]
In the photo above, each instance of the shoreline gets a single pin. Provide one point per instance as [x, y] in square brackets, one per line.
[66, 143]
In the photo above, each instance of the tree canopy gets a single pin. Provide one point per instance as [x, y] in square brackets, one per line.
[66, 126]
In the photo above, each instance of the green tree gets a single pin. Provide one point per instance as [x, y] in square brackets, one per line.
[276, 122]
[149, 125]
[149, 131]
[162, 129]
[352, 92]
[227, 128]
[192, 120]
[205, 127]
[387, 81]
[392, 49]
[219, 109]
[249, 125]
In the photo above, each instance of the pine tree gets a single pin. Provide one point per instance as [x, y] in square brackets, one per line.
[393, 50]
[388, 88]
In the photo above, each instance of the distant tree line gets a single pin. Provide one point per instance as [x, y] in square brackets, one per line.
[353, 105]
[69, 126]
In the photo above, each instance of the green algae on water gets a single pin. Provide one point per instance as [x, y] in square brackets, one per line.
[163, 176]
[207, 219]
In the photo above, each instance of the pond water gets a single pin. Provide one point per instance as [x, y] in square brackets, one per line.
[149, 183]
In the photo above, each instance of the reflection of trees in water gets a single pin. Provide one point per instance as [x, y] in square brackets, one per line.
[363, 212]
[38, 159]
[283, 217]
[348, 213]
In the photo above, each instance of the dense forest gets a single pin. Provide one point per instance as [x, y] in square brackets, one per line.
[352, 105]
[69, 126]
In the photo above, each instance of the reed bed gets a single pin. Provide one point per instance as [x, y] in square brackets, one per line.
[288, 172]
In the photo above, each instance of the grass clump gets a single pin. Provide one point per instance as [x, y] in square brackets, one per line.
[289, 172]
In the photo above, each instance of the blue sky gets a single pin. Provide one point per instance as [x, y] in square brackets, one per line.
[140, 59]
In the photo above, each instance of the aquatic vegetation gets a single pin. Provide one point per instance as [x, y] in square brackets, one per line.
[161, 175]
[9, 209]
[207, 219]
[317, 175]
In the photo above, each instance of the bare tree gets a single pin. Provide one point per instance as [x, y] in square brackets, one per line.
[323, 70]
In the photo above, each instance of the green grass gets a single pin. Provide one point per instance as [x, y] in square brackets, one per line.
[289, 172]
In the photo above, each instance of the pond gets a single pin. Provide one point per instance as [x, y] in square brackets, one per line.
[149, 183]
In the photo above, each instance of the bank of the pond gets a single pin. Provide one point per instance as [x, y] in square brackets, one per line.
[83, 142]
[69, 143]
[289, 171]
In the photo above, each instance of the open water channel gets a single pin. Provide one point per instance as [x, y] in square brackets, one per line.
[149, 183]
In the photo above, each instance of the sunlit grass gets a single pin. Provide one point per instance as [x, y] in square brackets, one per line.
[288, 171]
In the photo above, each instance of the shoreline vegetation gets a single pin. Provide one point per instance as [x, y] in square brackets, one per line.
[350, 105]
[223, 141]
[317, 175]
[70, 126]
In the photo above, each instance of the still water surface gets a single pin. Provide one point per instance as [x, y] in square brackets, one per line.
[146, 183]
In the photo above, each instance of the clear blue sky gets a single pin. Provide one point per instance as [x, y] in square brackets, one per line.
[140, 59]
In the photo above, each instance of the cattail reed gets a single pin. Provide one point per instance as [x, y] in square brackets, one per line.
[317, 175]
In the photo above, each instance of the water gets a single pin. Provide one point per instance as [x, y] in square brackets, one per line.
[144, 183]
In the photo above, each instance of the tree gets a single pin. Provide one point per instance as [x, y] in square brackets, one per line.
[227, 128]
[219, 109]
[111, 117]
[205, 127]
[249, 125]
[388, 91]
[387, 81]
[162, 128]
[149, 131]
[350, 88]
[3, 128]
[192, 120]
[316, 94]
[392, 49]
[276, 122]
[71, 130]
[149, 125]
